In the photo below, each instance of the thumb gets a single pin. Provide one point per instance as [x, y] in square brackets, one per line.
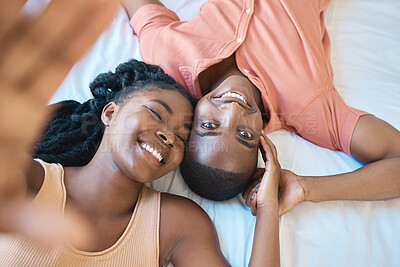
[46, 225]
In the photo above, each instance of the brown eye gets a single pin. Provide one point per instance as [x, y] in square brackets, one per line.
[209, 125]
[245, 135]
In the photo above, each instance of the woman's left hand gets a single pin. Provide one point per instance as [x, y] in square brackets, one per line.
[291, 191]
[264, 190]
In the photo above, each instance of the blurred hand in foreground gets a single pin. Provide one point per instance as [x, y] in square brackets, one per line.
[290, 191]
[35, 56]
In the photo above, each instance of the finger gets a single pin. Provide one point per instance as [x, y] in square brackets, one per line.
[268, 152]
[249, 188]
[273, 159]
[271, 145]
[257, 177]
[35, 38]
[45, 224]
[62, 30]
[80, 41]
[253, 204]
[9, 12]
[250, 195]
[247, 197]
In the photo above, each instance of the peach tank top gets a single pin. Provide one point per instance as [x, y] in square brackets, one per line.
[138, 245]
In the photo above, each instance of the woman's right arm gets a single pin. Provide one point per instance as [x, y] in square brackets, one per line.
[263, 201]
[131, 6]
[194, 239]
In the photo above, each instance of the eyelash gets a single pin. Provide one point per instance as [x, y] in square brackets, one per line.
[155, 113]
[159, 117]
[181, 138]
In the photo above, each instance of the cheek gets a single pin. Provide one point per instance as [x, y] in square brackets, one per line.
[129, 125]
[175, 159]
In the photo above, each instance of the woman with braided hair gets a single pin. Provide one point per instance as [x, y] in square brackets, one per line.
[75, 131]
[94, 159]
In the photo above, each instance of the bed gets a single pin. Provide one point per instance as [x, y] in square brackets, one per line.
[365, 36]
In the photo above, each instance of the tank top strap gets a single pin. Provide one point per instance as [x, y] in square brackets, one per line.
[52, 192]
[144, 234]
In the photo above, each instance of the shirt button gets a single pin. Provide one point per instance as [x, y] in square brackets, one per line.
[239, 40]
[248, 10]
[246, 70]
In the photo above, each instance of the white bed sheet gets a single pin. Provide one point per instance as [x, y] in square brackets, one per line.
[365, 37]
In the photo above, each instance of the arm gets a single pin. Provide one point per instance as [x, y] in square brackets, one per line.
[131, 6]
[187, 235]
[263, 201]
[374, 143]
[197, 243]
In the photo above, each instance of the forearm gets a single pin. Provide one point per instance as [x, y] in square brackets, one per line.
[375, 181]
[131, 6]
[265, 250]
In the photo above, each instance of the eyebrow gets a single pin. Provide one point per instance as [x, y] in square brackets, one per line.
[165, 105]
[202, 134]
[245, 143]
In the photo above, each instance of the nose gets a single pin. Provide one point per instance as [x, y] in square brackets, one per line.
[167, 137]
[232, 111]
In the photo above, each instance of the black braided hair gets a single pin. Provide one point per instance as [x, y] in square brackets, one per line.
[73, 135]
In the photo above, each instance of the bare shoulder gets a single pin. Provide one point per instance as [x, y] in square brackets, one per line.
[374, 139]
[185, 230]
[184, 212]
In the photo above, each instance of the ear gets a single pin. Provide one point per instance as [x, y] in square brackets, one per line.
[109, 111]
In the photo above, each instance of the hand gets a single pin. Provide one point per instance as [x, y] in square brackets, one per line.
[249, 193]
[264, 188]
[35, 56]
[45, 225]
[291, 192]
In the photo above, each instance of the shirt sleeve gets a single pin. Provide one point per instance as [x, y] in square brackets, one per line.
[147, 23]
[328, 121]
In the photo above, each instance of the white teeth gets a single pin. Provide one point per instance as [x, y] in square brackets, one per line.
[153, 151]
[230, 94]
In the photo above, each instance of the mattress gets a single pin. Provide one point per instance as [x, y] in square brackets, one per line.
[365, 36]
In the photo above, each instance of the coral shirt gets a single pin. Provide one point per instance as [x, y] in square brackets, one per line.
[282, 46]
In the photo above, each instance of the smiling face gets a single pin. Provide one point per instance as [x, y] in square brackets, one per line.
[227, 126]
[146, 135]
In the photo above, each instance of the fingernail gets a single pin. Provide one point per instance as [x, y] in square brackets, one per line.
[252, 196]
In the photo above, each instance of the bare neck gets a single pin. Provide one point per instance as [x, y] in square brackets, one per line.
[100, 188]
